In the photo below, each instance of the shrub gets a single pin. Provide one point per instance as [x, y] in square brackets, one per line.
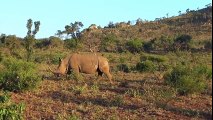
[55, 42]
[208, 45]
[148, 46]
[8, 110]
[1, 56]
[109, 43]
[123, 67]
[159, 61]
[117, 101]
[135, 45]
[54, 57]
[182, 42]
[75, 76]
[153, 58]
[18, 75]
[187, 80]
[203, 71]
[42, 43]
[146, 66]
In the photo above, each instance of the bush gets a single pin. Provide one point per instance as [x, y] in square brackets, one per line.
[187, 80]
[208, 45]
[124, 68]
[109, 43]
[182, 42]
[153, 58]
[203, 71]
[55, 42]
[18, 75]
[146, 66]
[50, 58]
[8, 110]
[158, 62]
[135, 45]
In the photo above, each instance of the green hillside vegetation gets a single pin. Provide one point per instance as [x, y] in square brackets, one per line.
[161, 69]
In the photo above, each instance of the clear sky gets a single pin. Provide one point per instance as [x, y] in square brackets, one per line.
[55, 14]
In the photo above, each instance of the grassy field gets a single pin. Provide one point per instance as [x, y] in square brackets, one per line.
[134, 95]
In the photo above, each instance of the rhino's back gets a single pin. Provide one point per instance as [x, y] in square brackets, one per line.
[86, 63]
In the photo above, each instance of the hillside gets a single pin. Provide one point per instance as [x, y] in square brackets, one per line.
[197, 24]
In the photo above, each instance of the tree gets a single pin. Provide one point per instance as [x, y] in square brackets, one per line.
[59, 33]
[139, 21]
[2, 39]
[187, 10]
[30, 38]
[179, 12]
[111, 25]
[74, 30]
[167, 15]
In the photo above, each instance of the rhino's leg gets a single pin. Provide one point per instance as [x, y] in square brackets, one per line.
[100, 74]
[107, 73]
[109, 76]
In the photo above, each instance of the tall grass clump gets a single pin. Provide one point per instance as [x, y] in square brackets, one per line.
[18, 75]
[188, 80]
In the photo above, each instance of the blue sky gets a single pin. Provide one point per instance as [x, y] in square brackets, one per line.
[55, 14]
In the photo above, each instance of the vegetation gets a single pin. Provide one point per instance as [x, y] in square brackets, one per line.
[18, 75]
[188, 80]
[30, 38]
[9, 110]
[161, 69]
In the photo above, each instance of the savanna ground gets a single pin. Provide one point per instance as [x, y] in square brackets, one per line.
[134, 95]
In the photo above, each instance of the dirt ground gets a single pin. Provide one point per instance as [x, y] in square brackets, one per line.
[133, 96]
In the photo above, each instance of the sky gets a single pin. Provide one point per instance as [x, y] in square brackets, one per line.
[55, 14]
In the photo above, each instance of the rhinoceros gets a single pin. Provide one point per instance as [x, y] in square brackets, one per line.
[88, 63]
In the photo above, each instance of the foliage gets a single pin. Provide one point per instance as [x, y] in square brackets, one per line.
[134, 92]
[151, 62]
[146, 66]
[18, 75]
[70, 43]
[154, 58]
[208, 45]
[51, 42]
[74, 29]
[162, 43]
[124, 67]
[148, 46]
[75, 76]
[42, 43]
[117, 101]
[188, 80]
[109, 42]
[12, 42]
[182, 41]
[134, 45]
[55, 42]
[8, 110]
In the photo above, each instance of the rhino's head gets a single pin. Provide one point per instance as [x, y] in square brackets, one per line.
[61, 69]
